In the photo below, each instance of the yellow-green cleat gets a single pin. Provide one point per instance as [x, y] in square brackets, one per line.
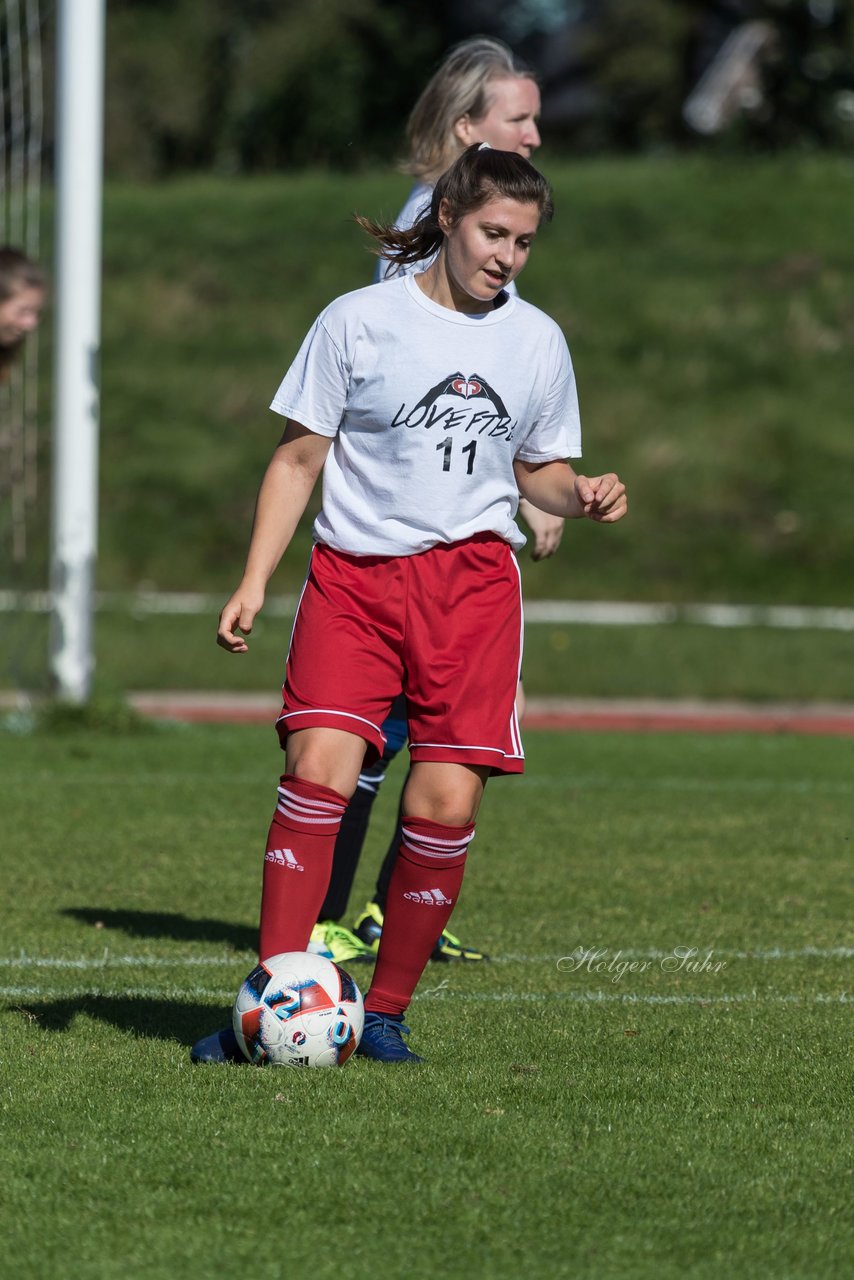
[369, 927]
[449, 947]
[338, 944]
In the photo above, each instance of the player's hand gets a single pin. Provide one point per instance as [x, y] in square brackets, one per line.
[238, 615]
[547, 529]
[602, 498]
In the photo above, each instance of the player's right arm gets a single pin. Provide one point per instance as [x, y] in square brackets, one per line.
[285, 490]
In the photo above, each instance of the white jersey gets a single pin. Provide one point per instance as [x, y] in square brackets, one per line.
[427, 408]
[417, 203]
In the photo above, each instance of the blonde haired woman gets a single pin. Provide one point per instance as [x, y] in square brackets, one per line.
[479, 87]
[480, 93]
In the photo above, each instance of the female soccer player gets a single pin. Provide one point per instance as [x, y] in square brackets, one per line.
[480, 93]
[427, 405]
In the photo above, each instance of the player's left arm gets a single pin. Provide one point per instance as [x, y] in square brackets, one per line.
[556, 488]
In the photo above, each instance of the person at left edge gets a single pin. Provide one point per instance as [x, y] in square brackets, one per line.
[22, 296]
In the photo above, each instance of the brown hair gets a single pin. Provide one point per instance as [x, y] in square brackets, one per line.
[17, 271]
[460, 87]
[480, 174]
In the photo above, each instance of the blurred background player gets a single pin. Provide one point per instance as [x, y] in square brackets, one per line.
[22, 297]
[480, 93]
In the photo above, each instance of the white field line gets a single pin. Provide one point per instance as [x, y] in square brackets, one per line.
[626, 997]
[583, 612]
[617, 614]
[111, 961]
[226, 995]
[187, 603]
[441, 993]
[122, 962]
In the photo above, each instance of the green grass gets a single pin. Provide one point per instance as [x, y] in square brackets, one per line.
[568, 1123]
[706, 304]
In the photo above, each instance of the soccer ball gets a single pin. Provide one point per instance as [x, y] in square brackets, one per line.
[298, 1010]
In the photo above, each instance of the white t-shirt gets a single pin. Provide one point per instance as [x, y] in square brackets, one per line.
[428, 407]
[417, 202]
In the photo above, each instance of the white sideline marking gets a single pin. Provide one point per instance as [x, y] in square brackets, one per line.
[110, 961]
[141, 602]
[120, 962]
[117, 993]
[626, 997]
[617, 614]
[493, 997]
[584, 612]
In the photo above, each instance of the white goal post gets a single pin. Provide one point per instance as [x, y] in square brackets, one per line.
[79, 180]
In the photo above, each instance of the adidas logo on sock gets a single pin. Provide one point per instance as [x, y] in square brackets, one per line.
[283, 858]
[430, 897]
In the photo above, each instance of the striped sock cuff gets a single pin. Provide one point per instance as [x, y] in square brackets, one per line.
[307, 806]
[433, 843]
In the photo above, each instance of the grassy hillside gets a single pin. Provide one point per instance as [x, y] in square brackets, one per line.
[706, 303]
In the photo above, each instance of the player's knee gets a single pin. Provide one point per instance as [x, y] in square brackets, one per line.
[453, 807]
[444, 792]
[320, 759]
[453, 813]
[323, 773]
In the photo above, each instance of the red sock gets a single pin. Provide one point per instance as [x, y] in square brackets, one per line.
[421, 896]
[297, 863]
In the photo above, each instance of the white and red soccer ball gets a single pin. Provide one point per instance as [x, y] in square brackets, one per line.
[298, 1010]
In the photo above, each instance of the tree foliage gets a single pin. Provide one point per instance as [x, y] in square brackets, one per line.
[277, 84]
[260, 84]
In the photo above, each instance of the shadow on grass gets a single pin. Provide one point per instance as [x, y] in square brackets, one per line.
[155, 1019]
[167, 924]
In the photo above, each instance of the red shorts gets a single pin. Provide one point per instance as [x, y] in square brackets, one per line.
[445, 626]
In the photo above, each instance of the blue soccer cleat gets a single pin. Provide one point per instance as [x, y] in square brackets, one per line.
[221, 1046]
[382, 1039]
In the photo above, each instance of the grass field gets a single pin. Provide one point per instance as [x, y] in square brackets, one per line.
[574, 1119]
